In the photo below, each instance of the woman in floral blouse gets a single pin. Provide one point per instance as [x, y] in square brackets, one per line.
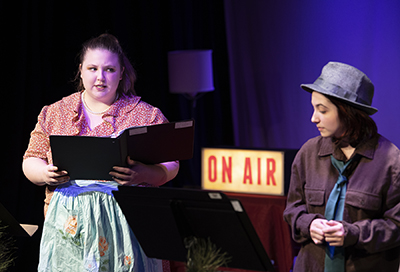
[84, 228]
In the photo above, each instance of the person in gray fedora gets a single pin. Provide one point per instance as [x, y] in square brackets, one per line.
[343, 204]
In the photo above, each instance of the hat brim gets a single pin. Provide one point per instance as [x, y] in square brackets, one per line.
[313, 87]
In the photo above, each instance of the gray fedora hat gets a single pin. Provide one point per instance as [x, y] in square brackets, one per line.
[346, 83]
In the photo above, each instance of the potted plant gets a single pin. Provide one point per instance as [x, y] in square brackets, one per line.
[204, 256]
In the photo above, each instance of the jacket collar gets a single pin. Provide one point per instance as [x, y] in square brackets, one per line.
[365, 149]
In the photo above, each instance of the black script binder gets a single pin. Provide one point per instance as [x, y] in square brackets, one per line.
[86, 157]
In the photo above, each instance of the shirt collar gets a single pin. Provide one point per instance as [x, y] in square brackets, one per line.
[123, 105]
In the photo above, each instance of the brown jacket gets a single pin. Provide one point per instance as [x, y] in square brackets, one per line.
[371, 217]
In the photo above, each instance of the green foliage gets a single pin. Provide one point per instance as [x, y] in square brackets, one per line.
[203, 256]
[75, 240]
[7, 249]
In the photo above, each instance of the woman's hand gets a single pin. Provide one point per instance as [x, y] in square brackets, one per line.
[53, 177]
[138, 173]
[334, 233]
[317, 230]
[41, 173]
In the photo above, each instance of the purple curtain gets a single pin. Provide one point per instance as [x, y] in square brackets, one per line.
[274, 46]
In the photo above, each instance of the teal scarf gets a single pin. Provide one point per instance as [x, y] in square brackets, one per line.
[334, 257]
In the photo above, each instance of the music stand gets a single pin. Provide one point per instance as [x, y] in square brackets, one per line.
[161, 218]
[13, 227]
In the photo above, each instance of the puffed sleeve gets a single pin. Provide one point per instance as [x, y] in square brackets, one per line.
[39, 144]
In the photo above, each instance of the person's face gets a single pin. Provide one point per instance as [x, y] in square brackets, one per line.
[325, 116]
[101, 73]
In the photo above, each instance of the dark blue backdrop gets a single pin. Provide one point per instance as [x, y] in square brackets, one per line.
[274, 46]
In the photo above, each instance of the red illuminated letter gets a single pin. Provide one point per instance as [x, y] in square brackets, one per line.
[259, 171]
[212, 168]
[271, 167]
[247, 172]
[227, 169]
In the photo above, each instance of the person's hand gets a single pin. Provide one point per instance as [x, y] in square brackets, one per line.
[137, 173]
[53, 177]
[317, 230]
[334, 233]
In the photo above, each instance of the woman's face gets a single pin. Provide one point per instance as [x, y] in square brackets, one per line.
[325, 116]
[101, 73]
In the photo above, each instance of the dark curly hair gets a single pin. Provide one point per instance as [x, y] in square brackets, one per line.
[110, 43]
[359, 126]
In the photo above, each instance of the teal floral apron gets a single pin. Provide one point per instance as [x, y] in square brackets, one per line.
[85, 230]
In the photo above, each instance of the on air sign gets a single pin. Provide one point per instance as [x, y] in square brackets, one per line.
[246, 171]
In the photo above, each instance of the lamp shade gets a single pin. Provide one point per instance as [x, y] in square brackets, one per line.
[190, 71]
